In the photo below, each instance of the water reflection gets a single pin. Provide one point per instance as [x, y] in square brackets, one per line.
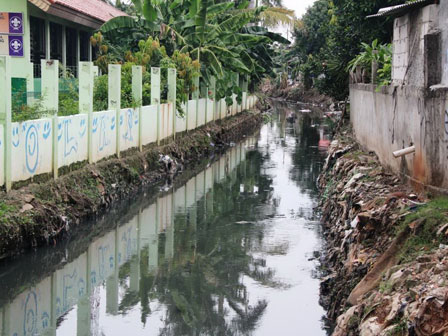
[225, 254]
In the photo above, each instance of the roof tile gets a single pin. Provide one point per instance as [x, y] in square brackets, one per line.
[94, 8]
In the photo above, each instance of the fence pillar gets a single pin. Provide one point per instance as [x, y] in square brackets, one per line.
[155, 96]
[172, 94]
[195, 96]
[237, 83]
[245, 89]
[5, 116]
[137, 95]
[211, 94]
[204, 94]
[50, 101]
[114, 99]
[86, 75]
[50, 84]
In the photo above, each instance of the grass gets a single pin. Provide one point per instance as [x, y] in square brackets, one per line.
[400, 327]
[432, 216]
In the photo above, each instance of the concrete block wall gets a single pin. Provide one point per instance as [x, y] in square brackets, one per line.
[408, 45]
[398, 117]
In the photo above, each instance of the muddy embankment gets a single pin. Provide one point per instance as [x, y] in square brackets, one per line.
[386, 261]
[42, 213]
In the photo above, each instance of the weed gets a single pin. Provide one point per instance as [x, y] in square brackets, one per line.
[431, 215]
[328, 189]
[400, 327]
[385, 287]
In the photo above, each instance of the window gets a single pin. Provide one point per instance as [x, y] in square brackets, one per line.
[37, 38]
[84, 43]
[72, 50]
[55, 41]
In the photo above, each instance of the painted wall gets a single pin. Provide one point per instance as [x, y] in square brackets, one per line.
[72, 139]
[398, 117]
[129, 124]
[21, 66]
[32, 141]
[32, 148]
[201, 111]
[104, 140]
[166, 121]
[149, 124]
[181, 122]
[191, 119]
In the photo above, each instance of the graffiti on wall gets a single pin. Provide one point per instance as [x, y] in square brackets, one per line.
[100, 126]
[72, 139]
[129, 120]
[31, 146]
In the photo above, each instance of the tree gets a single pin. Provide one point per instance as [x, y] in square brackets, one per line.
[331, 36]
[213, 33]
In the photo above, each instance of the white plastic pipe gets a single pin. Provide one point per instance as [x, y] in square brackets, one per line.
[404, 151]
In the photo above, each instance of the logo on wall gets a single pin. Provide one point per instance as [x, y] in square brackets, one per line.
[11, 34]
[16, 46]
[16, 23]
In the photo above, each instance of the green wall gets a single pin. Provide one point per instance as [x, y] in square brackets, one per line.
[21, 66]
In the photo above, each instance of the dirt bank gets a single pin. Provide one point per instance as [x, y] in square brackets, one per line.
[386, 260]
[41, 213]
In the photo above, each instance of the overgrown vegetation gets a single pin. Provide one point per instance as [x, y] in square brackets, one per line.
[381, 54]
[425, 223]
[214, 35]
[331, 34]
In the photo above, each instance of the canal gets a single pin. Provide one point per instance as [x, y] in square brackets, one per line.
[232, 251]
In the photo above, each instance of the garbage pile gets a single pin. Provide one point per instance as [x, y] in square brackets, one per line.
[364, 287]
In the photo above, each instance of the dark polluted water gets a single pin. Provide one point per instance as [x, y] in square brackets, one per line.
[231, 252]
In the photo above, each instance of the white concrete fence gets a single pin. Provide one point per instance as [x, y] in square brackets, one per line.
[45, 145]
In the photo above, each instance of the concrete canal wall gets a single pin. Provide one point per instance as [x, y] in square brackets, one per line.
[36, 309]
[397, 117]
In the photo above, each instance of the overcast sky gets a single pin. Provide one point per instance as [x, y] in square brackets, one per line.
[299, 6]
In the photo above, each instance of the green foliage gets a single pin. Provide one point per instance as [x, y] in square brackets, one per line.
[22, 112]
[429, 219]
[379, 53]
[331, 35]
[213, 33]
[69, 98]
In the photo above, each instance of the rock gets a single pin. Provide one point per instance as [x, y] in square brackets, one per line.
[26, 207]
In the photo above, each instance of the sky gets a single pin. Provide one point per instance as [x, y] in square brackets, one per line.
[299, 6]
